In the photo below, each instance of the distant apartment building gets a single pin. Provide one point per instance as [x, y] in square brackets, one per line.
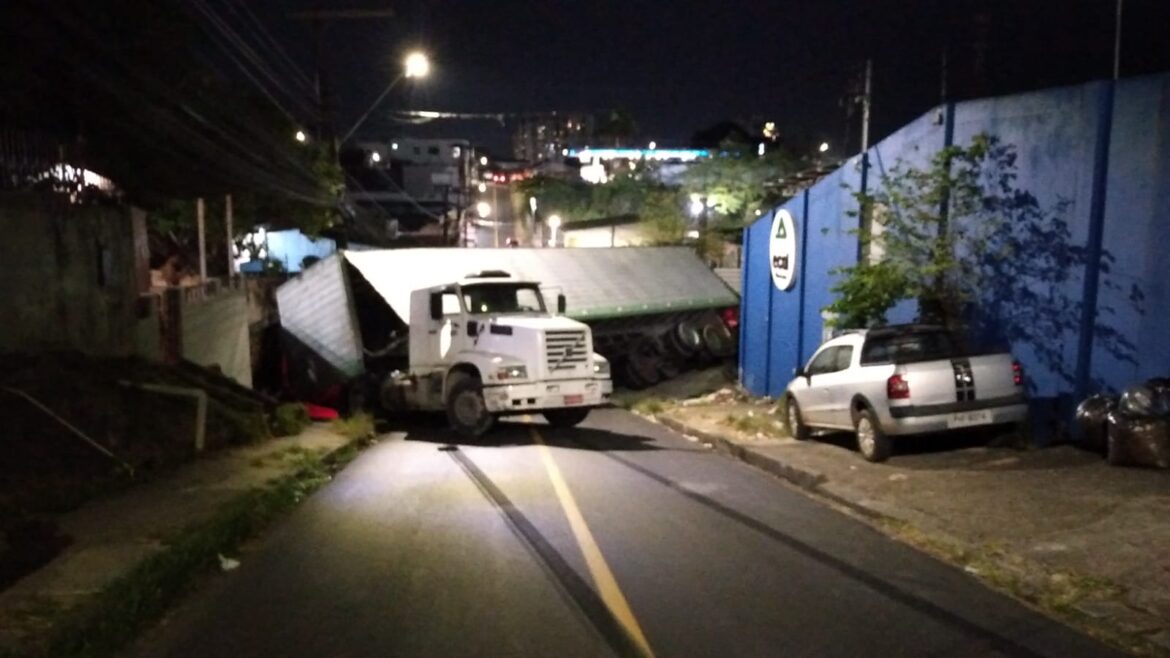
[542, 137]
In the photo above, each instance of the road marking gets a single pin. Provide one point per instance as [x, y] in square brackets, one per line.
[599, 569]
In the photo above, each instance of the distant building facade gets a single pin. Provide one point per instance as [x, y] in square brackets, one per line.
[408, 188]
[541, 137]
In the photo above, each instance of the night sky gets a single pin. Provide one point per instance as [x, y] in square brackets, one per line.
[681, 65]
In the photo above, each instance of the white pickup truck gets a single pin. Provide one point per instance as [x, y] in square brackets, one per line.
[899, 380]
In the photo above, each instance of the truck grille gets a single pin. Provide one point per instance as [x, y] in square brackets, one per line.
[565, 350]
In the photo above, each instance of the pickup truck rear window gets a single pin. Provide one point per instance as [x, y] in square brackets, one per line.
[908, 347]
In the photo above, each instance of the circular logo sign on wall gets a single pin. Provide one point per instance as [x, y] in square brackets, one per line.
[782, 250]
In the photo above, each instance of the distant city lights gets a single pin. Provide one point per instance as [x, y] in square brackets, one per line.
[683, 155]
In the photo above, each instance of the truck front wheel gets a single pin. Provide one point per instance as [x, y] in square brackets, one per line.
[569, 417]
[466, 411]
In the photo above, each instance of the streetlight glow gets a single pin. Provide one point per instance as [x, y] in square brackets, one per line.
[417, 65]
[483, 209]
[696, 206]
[482, 187]
[554, 221]
[483, 160]
[301, 136]
[375, 157]
[824, 147]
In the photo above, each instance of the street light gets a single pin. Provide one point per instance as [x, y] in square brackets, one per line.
[554, 222]
[483, 209]
[824, 147]
[416, 66]
[301, 136]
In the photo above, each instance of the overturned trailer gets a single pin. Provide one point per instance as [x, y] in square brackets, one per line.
[653, 311]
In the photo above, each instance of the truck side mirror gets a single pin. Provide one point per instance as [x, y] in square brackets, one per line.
[562, 304]
[436, 307]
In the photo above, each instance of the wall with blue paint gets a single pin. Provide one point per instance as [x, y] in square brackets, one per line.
[291, 247]
[1064, 139]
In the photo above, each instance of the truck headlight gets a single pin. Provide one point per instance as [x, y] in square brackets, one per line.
[512, 372]
[600, 366]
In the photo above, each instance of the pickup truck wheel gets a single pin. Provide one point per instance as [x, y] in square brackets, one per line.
[793, 423]
[466, 411]
[570, 417]
[873, 444]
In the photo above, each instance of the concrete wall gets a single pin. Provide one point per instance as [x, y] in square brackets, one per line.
[1102, 151]
[215, 333]
[69, 278]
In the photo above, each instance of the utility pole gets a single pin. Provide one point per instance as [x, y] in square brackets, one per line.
[864, 220]
[319, 17]
[1117, 43]
[227, 220]
[865, 100]
[200, 230]
[496, 212]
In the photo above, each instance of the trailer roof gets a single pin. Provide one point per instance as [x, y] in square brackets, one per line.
[597, 283]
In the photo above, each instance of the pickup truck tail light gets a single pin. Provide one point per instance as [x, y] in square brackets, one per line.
[897, 388]
[1017, 373]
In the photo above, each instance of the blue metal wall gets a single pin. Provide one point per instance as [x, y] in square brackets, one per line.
[1103, 149]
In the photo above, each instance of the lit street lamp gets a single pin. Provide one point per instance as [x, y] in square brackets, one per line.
[554, 222]
[415, 66]
[483, 209]
[824, 147]
[301, 136]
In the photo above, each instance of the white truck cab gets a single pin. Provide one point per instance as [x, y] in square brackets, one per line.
[488, 346]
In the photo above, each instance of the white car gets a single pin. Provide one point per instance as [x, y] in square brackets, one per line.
[899, 380]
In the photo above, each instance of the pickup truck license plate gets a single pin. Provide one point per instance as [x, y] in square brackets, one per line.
[969, 418]
[574, 399]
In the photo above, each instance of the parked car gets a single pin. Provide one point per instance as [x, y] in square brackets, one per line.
[900, 380]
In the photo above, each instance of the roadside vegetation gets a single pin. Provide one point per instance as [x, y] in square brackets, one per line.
[108, 621]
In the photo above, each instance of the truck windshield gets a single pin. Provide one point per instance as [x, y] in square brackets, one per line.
[908, 347]
[491, 298]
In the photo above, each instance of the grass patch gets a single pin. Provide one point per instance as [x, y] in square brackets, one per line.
[357, 426]
[290, 419]
[758, 422]
[112, 618]
[649, 406]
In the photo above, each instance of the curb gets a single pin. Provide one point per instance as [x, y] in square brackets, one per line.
[809, 480]
[813, 482]
[803, 478]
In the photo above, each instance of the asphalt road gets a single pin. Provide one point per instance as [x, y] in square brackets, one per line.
[617, 538]
[501, 223]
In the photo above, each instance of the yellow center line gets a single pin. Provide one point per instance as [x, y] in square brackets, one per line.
[603, 578]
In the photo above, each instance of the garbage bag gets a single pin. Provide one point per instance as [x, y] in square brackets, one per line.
[1091, 418]
[1160, 386]
[1137, 400]
[1138, 440]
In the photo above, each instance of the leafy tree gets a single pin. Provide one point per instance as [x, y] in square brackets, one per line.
[736, 183]
[977, 253]
[617, 128]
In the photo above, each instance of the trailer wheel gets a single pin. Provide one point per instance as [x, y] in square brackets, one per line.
[569, 417]
[718, 340]
[466, 410]
[684, 339]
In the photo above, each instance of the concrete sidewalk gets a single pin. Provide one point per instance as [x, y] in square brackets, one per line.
[112, 535]
[1057, 527]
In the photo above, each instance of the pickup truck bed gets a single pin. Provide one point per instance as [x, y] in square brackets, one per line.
[907, 379]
